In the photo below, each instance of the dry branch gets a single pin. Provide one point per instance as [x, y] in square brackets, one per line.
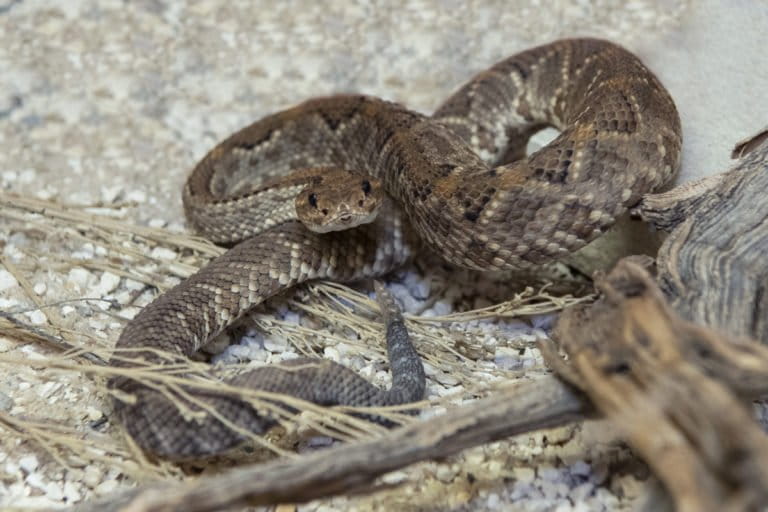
[528, 406]
[673, 389]
[712, 265]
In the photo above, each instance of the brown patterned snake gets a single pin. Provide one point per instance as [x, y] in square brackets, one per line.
[457, 183]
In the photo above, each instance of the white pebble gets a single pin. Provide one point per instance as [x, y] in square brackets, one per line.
[394, 478]
[28, 463]
[332, 353]
[6, 280]
[86, 252]
[46, 389]
[6, 304]
[507, 358]
[446, 379]
[418, 286]
[106, 487]
[275, 344]
[6, 402]
[157, 223]
[93, 413]
[36, 480]
[92, 476]
[138, 196]
[78, 277]
[440, 308]
[581, 468]
[27, 176]
[53, 491]
[40, 288]
[524, 474]
[445, 473]
[108, 282]
[550, 474]
[37, 317]
[163, 253]
[404, 298]
[291, 317]
[111, 194]
[72, 492]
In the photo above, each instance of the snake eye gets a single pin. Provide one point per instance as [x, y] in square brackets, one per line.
[312, 200]
[366, 187]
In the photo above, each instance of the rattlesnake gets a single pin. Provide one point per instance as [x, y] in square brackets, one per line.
[458, 185]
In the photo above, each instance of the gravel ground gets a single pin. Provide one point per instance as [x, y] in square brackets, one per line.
[110, 103]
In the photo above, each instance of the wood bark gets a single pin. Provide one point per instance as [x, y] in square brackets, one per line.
[676, 390]
[712, 266]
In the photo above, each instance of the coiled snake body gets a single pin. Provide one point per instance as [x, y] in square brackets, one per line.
[459, 180]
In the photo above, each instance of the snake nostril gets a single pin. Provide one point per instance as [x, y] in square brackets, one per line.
[325, 211]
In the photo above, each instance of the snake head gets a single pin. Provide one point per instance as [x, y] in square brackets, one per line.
[339, 199]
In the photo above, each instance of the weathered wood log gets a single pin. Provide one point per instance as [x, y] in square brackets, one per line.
[530, 405]
[713, 266]
[674, 389]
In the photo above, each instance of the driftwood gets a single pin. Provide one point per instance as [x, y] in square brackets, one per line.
[675, 390]
[712, 266]
[531, 405]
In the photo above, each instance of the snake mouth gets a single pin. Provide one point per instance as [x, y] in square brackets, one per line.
[343, 220]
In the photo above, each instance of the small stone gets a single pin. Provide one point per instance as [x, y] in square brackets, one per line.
[106, 487]
[395, 477]
[47, 388]
[66, 310]
[78, 277]
[6, 304]
[37, 317]
[92, 476]
[27, 176]
[54, 491]
[138, 196]
[163, 253]
[28, 463]
[40, 288]
[45, 194]
[157, 223]
[111, 194]
[292, 317]
[581, 468]
[6, 280]
[440, 308]
[524, 474]
[445, 473]
[108, 282]
[418, 287]
[72, 492]
[507, 358]
[446, 379]
[36, 480]
[85, 252]
[93, 413]
[275, 344]
[6, 402]
[332, 354]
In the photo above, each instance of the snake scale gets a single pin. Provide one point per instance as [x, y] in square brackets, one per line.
[459, 183]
